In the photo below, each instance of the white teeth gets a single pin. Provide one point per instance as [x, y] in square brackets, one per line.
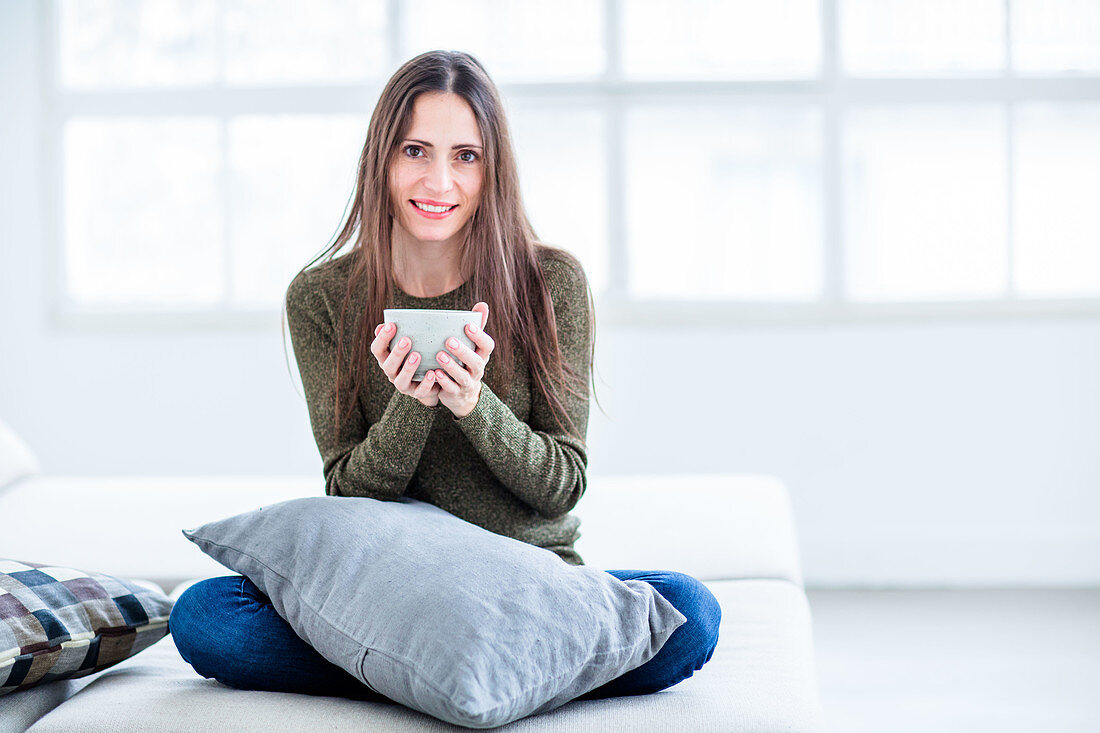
[436, 209]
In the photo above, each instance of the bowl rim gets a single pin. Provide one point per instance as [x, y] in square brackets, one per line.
[431, 310]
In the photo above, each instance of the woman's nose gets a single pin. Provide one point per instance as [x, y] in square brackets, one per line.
[439, 176]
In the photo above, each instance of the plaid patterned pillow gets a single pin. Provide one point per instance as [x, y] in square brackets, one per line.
[58, 622]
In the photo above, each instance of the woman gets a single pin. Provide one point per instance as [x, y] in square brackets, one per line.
[500, 441]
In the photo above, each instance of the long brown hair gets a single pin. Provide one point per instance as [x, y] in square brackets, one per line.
[500, 250]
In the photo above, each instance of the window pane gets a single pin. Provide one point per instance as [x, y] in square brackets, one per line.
[721, 39]
[284, 41]
[1057, 199]
[516, 41]
[921, 37]
[292, 178]
[1055, 36]
[925, 202]
[143, 217]
[134, 43]
[724, 202]
[562, 154]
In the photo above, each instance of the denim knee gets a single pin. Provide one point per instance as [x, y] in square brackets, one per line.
[198, 619]
[704, 614]
[689, 647]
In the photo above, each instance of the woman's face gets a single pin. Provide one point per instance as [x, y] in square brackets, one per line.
[439, 162]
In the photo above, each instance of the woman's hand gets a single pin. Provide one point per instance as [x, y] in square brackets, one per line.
[401, 374]
[461, 386]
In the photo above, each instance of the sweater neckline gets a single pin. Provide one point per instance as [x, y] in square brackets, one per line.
[449, 295]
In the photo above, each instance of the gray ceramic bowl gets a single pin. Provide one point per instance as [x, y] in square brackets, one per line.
[429, 329]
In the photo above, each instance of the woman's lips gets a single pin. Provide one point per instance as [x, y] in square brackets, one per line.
[432, 214]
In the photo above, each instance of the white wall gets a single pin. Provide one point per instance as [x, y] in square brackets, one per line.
[916, 452]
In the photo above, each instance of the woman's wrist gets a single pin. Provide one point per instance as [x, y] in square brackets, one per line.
[472, 406]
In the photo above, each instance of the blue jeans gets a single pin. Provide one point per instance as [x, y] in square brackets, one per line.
[228, 630]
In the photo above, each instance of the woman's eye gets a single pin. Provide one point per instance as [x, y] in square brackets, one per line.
[474, 156]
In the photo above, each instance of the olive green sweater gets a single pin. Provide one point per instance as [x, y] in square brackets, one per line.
[506, 466]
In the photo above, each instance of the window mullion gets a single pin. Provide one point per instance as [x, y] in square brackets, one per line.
[395, 20]
[54, 221]
[618, 255]
[226, 205]
[831, 180]
[1010, 200]
[1010, 167]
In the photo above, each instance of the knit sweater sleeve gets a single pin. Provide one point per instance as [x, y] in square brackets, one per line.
[540, 463]
[372, 460]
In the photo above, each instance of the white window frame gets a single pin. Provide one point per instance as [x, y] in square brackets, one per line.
[833, 91]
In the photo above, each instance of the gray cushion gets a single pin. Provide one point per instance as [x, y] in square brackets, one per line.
[439, 614]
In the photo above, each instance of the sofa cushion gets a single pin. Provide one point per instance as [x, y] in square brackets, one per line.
[59, 622]
[709, 527]
[16, 458]
[760, 678]
[437, 613]
[97, 521]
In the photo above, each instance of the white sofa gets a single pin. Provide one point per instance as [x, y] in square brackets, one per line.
[734, 532]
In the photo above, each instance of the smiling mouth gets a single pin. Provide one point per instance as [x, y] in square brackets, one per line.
[421, 206]
[433, 214]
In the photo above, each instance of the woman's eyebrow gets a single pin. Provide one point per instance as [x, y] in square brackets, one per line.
[427, 144]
